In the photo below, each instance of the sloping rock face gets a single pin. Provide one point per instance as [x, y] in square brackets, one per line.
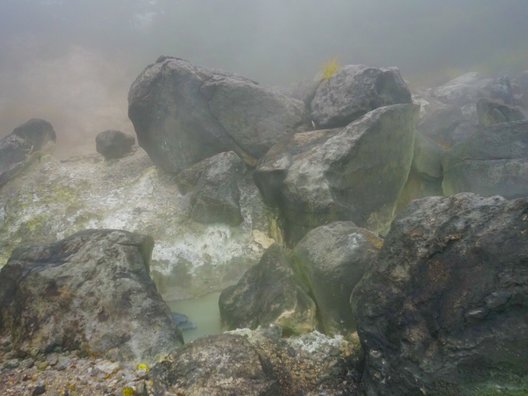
[91, 292]
[355, 173]
[47, 201]
[354, 91]
[269, 293]
[493, 161]
[114, 144]
[213, 184]
[444, 309]
[333, 259]
[17, 148]
[183, 114]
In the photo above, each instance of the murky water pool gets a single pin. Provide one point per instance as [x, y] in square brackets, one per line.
[203, 312]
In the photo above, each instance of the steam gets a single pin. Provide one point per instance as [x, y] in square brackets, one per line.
[72, 62]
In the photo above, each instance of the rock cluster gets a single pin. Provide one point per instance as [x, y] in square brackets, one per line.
[438, 305]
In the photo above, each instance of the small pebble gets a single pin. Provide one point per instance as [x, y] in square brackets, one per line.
[39, 390]
[11, 364]
[42, 365]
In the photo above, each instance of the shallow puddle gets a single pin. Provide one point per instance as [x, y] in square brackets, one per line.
[202, 312]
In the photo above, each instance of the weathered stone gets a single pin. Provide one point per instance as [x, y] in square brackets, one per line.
[19, 147]
[269, 293]
[333, 259]
[493, 161]
[260, 362]
[443, 310]
[355, 173]
[183, 114]
[114, 144]
[36, 133]
[88, 292]
[216, 365]
[354, 91]
[213, 182]
[470, 87]
[490, 113]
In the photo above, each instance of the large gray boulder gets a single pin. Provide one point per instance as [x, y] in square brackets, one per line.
[22, 145]
[355, 173]
[183, 114]
[90, 292]
[493, 161]
[333, 259]
[213, 184]
[443, 310]
[113, 144]
[354, 91]
[269, 293]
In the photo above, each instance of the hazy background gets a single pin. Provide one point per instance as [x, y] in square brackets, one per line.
[72, 61]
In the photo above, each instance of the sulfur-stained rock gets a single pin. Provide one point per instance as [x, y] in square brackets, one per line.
[355, 173]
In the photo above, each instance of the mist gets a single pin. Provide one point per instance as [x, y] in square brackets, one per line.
[72, 62]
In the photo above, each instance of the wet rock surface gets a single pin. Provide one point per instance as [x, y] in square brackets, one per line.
[114, 144]
[354, 91]
[332, 259]
[89, 292]
[330, 175]
[269, 293]
[184, 113]
[443, 310]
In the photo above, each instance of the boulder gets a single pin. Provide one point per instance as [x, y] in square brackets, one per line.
[470, 87]
[213, 183]
[490, 112]
[216, 365]
[35, 133]
[354, 91]
[90, 292]
[355, 173]
[493, 161]
[183, 114]
[333, 259]
[269, 293]
[113, 144]
[18, 148]
[443, 310]
[260, 362]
